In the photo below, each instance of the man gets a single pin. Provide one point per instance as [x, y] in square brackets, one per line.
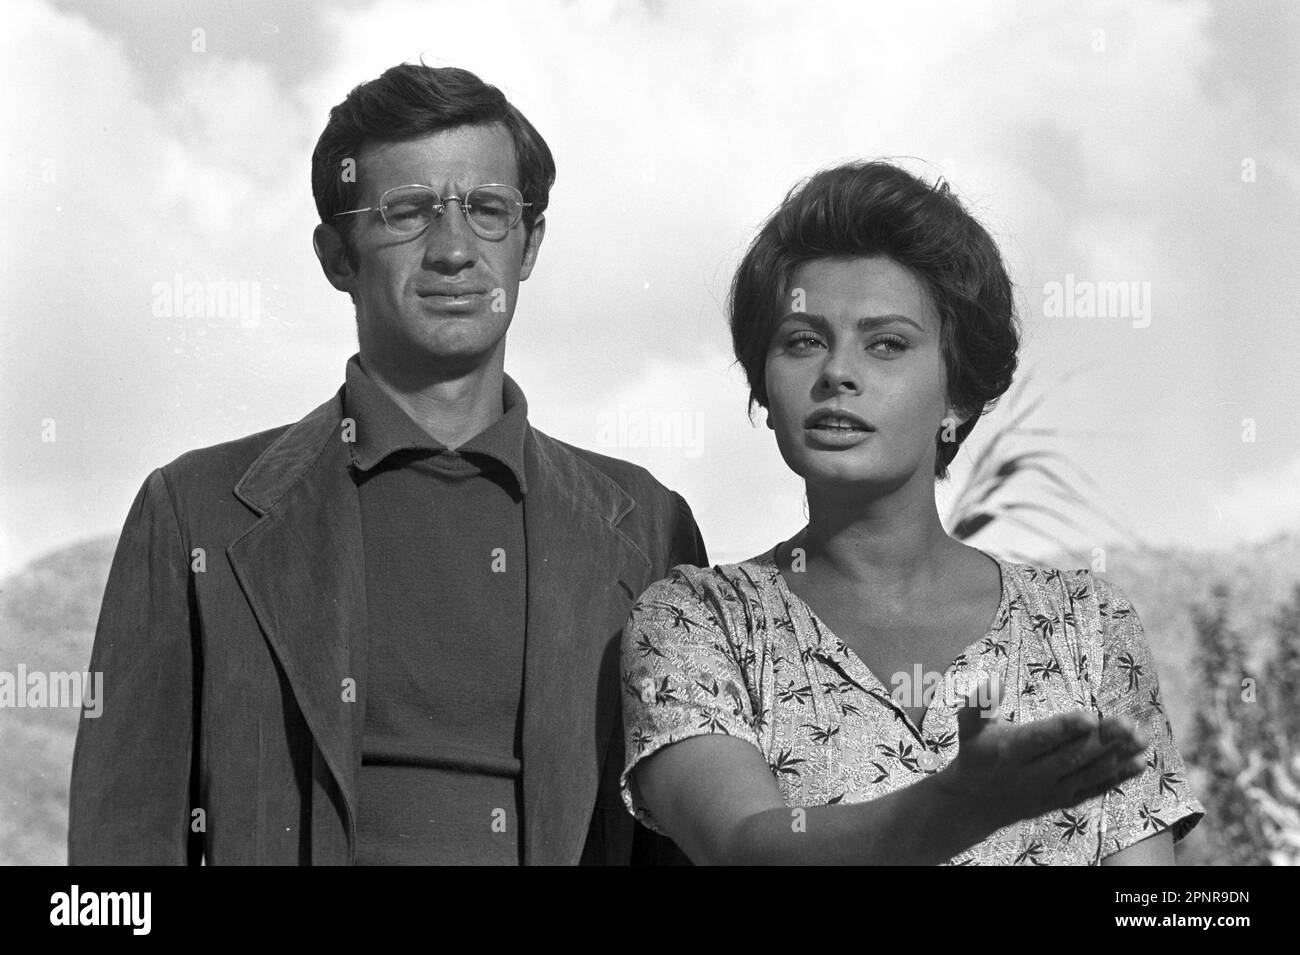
[387, 633]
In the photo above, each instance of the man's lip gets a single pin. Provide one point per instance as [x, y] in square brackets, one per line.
[450, 293]
[823, 414]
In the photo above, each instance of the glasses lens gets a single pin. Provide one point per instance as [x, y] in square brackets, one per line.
[409, 210]
[493, 210]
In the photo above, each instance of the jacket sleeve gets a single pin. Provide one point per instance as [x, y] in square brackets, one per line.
[687, 545]
[133, 768]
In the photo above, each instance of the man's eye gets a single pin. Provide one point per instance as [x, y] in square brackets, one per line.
[406, 210]
[487, 212]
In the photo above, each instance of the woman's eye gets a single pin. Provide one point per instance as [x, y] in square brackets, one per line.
[801, 341]
[891, 346]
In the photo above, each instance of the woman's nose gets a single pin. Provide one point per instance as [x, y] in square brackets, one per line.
[839, 373]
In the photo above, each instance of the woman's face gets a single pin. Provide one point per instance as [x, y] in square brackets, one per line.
[861, 337]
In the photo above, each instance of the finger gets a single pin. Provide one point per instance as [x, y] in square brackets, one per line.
[1104, 774]
[1101, 756]
[1071, 758]
[980, 707]
[1116, 738]
[1043, 737]
[1092, 762]
[990, 685]
[1120, 729]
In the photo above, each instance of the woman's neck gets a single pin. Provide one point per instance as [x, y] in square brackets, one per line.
[895, 545]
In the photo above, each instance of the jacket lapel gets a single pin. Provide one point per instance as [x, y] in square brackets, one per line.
[583, 574]
[301, 568]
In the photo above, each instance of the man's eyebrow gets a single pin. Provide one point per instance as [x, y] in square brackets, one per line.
[864, 324]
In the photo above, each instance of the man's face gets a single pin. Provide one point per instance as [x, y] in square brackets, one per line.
[443, 298]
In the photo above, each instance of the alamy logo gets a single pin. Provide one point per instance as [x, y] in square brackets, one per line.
[102, 908]
[216, 298]
[1084, 299]
[633, 428]
[55, 690]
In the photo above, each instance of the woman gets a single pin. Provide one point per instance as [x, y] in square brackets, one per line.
[782, 709]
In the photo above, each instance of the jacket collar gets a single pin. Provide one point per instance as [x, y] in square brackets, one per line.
[302, 570]
[382, 427]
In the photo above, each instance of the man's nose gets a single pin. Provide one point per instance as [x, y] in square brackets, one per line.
[449, 243]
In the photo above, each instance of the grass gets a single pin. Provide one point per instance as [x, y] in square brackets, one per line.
[1017, 479]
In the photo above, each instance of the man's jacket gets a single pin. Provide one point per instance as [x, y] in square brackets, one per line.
[232, 643]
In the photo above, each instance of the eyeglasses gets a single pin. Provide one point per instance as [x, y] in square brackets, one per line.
[491, 210]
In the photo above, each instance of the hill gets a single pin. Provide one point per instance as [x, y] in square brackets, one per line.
[47, 622]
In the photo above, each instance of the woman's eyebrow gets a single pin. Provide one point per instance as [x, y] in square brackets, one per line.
[868, 322]
[864, 324]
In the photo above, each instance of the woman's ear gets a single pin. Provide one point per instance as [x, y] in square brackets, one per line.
[952, 420]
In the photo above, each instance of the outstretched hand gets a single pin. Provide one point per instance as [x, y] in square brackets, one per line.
[1012, 772]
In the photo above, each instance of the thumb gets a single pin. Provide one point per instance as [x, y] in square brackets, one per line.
[981, 706]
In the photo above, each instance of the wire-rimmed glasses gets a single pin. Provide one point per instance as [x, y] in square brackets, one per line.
[491, 210]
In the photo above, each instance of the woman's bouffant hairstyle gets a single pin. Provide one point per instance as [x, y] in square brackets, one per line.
[409, 101]
[877, 209]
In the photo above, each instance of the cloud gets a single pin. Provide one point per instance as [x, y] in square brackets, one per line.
[676, 128]
[1257, 506]
[118, 187]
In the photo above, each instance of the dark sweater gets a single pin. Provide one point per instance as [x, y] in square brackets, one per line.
[446, 592]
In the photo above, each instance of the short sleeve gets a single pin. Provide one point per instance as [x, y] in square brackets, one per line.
[1160, 798]
[681, 677]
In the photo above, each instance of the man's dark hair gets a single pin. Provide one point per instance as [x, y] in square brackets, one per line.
[410, 101]
[877, 209]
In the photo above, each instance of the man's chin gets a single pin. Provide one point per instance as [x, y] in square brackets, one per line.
[466, 350]
[444, 347]
[442, 331]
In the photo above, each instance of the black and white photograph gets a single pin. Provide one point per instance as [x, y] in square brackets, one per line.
[651, 433]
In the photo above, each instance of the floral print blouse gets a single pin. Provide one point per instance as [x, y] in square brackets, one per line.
[733, 650]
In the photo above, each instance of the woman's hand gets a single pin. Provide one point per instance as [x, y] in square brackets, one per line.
[1009, 772]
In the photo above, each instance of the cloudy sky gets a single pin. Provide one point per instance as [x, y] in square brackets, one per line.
[1153, 143]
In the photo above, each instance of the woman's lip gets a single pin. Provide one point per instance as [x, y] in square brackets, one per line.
[817, 418]
[845, 426]
[836, 437]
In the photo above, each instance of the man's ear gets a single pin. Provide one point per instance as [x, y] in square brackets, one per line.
[332, 254]
[530, 249]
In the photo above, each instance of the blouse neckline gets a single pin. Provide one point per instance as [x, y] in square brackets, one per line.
[873, 683]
